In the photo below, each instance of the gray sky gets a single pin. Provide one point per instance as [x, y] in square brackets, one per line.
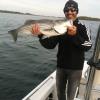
[51, 7]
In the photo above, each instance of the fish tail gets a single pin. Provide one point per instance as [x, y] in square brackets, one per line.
[14, 34]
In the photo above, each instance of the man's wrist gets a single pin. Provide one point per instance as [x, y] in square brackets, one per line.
[40, 35]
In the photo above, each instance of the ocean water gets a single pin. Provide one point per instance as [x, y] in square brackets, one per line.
[23, 65]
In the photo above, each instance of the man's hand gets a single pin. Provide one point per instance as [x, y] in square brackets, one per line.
[71, 30]
[36, 29]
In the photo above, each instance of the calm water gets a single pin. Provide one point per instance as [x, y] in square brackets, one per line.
[23, 65]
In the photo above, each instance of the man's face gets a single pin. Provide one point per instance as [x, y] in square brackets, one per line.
[71, 13]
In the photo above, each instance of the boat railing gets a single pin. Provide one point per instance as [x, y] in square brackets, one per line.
[44, 91]
[93, 86]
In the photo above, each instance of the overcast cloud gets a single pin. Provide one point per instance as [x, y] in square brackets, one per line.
[51, 7]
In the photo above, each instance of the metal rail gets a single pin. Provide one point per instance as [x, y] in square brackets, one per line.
[94, 62]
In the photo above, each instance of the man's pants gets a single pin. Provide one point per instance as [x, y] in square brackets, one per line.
[71, 78]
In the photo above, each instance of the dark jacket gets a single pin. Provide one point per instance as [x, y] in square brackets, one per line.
[70, 48]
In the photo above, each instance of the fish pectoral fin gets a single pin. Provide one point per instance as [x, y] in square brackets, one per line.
[48, 29]
[14, 34]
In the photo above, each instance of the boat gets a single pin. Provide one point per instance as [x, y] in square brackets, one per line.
[89, 85]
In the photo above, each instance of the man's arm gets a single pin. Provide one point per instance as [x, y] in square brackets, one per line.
[48, 42]
[82, 38]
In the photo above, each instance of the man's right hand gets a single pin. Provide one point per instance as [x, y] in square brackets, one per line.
[36, 30]
[72, 30]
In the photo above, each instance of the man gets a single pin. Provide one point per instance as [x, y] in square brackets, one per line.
[70, 56]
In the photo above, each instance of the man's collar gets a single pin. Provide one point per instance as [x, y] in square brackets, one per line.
[76, 21]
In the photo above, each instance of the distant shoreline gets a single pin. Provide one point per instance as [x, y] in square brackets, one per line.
[88, 18]
[14, 12]
[80, 17]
